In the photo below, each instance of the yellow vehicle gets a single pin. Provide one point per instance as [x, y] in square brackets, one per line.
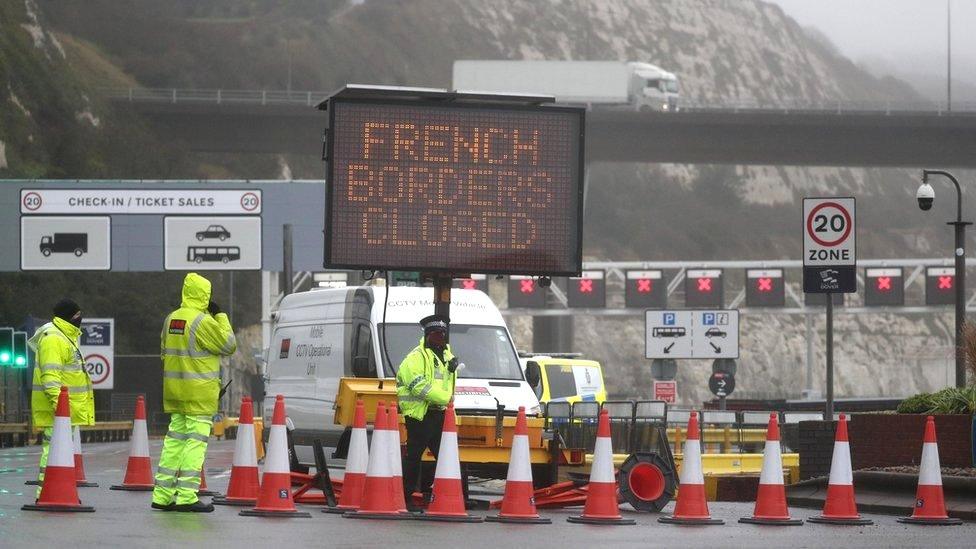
[564, 378]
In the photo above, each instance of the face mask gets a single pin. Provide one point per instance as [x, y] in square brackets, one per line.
[436, 339]
[76, 320]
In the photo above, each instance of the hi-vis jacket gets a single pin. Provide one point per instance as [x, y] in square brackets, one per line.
[59, 362]
[192, 343]
[424, 380]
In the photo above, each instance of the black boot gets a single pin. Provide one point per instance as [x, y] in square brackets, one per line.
[198, 507]
[168, 507]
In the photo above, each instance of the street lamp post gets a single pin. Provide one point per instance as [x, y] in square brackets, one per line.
[960, 256]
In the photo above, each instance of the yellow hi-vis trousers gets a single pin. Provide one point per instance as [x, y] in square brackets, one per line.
[45, 450]
[184, 450]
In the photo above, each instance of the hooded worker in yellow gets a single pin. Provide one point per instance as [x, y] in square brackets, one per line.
[193, 339]
[59, 362]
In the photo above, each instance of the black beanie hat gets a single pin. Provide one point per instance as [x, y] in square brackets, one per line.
[65, 309]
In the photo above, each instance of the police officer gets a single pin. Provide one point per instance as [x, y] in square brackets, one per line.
[59, 362]
[425, 385]
[194, 338]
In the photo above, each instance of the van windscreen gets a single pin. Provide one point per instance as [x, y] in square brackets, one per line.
[486, 351]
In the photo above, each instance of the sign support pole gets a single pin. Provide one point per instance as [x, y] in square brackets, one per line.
[829, 411]
[442, 298]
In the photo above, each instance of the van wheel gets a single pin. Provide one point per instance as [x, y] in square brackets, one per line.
[225, 259]
[78, 252]
[199, 259]
[46, 252]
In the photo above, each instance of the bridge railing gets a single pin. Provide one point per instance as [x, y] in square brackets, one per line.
[217, 96]
[784, 105]
[789, 105]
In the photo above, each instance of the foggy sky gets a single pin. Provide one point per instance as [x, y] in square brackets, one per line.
[905, 38]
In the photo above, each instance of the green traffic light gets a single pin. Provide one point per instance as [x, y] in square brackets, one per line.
[4, 357]
[20, 361]
[20, 350]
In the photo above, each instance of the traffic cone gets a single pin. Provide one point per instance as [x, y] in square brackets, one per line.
[447, 494]
[840, 506]
[396, 458]
[518, 504]
[771, 497]
[379, 492]
[601, 496]
[274, 496]
[357, 460]
[242, 490]
[79, 460]
[929, 500]
[692, 505]
[60, 491]
[204, 491]
[138, 470]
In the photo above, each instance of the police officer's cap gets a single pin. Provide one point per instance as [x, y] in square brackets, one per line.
[434, 322]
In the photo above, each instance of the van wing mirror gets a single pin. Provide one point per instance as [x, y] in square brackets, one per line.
[533, 373]
[360, 367]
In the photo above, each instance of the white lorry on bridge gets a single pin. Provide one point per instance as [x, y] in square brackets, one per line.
[597, 84]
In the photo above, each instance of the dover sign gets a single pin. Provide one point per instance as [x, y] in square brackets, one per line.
[829, 247]
[97, 347]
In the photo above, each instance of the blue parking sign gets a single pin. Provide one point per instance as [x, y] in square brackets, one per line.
[669, 319]
[708, 319]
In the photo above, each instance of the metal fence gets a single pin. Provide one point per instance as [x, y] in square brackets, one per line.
[782, 105]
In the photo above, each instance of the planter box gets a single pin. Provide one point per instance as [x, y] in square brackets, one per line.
[885, 440]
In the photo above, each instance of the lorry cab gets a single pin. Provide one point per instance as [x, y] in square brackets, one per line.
[323, 335]
[655, 88]
[565, 378]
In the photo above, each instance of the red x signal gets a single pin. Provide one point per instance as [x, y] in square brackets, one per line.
[704, 284]
[469, 284]
[586, 286]
[527, 286]
[643, 285]
[764, 284]
[945, 282]
[884, 283]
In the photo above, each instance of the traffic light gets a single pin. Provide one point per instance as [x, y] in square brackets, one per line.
[703, 289]
[476, 282]
[20, 350]
[940, 286]
[6, 346]
[884, 287]
[588, 290]
[765, 288]
[646, 290]
[525, 292]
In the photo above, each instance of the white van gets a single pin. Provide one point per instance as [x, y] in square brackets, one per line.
[321, 335]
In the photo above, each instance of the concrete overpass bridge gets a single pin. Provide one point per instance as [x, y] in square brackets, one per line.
[825, 134]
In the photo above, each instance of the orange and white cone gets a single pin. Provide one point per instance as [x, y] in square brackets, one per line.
[274, 497]
[929, 499]
[138, 470]
[357, 459]
[204, 491]
[771, 496]
[244, 482]
[840, 507]
[601, 497]
[518, 504]
[692, 505]
[59, 491]
[379, 491]
[80, 460]
[447, 493]
[396, 458]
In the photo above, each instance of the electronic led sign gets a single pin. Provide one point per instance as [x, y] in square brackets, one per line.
[456, 187]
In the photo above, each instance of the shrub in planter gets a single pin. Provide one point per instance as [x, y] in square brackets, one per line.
[951, 400]
[918, 404]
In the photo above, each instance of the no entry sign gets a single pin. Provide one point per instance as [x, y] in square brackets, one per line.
[829, 247]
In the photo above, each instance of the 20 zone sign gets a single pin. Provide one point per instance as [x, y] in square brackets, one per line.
[829, 246]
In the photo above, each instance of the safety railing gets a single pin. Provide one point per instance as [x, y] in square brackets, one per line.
[744, 105]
